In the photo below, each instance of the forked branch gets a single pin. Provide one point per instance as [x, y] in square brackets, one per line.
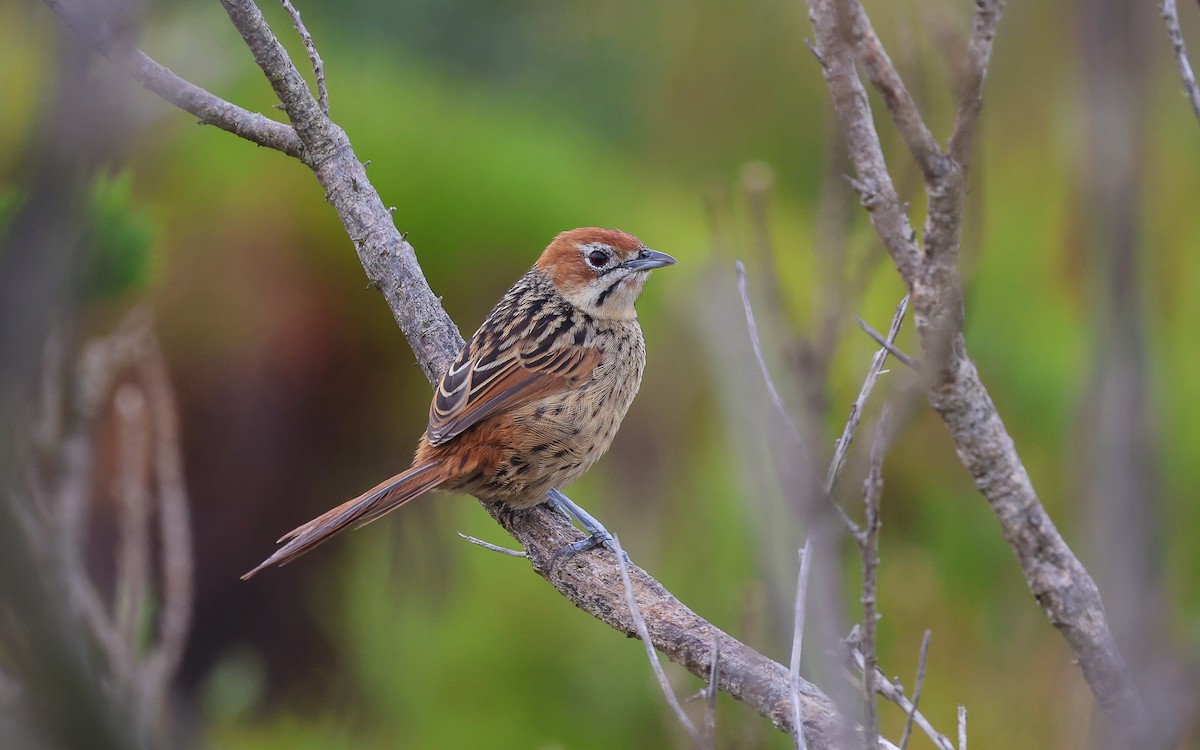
[1063, 588]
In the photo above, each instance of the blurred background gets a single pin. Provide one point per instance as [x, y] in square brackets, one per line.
[703, 128]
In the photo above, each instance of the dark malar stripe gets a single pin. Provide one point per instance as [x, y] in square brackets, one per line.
[607, 291]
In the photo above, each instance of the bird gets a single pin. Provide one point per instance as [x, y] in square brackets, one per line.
[533, 399]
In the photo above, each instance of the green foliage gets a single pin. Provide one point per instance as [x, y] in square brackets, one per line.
[120, 260]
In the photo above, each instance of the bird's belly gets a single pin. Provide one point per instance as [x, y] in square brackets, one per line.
[552, 442]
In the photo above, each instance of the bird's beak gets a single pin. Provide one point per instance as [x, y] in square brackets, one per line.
[648, 259]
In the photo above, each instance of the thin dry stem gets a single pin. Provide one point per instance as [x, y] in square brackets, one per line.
[492, 547]
[962, 728]
[869, 51]
[873, 182]
[798, 642]
[856, 409]
[895, 693]
[868, 542]
[776, 401]
[635, 611]
[1171, 18]
[710, 696]
[878, 338]
[970, 102]
[920, 683]
[314, 57]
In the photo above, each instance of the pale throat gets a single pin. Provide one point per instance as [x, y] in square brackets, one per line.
[616, 302]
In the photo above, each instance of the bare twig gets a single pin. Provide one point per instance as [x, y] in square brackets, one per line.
[920, 683]
[492, 547]
[962, 728]
[776, 401]
[979, 53]
[878, 338]
[314, 57]
[798, 642]
[895, 693]
[386, 256]
[868, 543]
[710, 696]
[635, 611]
[943, 225]
[883, 75]
[302, 109]
[207, 107]
[856, 409]
[1171, 18]
[873, 183]
[211, 109]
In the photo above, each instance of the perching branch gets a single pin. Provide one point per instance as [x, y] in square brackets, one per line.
[591, 581]
[1057, 579]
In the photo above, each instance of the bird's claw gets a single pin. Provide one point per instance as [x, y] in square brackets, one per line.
[598, 535]
[596, 539]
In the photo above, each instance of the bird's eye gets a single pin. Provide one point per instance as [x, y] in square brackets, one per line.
[597, 258]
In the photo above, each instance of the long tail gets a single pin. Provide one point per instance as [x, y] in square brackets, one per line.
[365, 508]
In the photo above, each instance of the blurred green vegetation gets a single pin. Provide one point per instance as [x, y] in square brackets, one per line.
[492, 126]
[121, 262]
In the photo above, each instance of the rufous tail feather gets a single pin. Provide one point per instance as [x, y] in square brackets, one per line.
[375, 502]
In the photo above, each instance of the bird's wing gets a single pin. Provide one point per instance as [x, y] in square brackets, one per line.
[490, 376]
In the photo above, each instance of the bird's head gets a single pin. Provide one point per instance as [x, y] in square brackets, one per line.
[600, 271]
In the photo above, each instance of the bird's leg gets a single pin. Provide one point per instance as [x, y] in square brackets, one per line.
[556, 505]
[597, 534]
